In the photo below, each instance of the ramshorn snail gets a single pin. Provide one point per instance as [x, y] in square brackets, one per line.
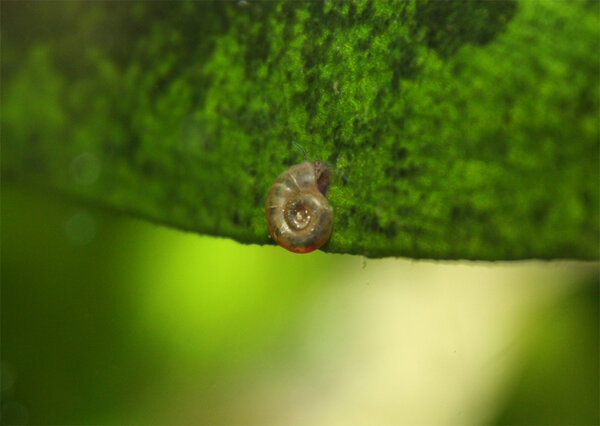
[299, 216]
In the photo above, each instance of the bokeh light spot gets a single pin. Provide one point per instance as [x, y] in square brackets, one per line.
[7, 376]
[80, 228]
[85, 168]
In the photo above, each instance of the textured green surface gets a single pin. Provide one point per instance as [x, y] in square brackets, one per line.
[459, 130]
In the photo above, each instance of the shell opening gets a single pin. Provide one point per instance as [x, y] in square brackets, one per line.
[322, 176]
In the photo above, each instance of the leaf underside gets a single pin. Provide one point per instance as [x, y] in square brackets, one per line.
[456, 129]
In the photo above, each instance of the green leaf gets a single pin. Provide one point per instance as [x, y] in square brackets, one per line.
[457, 129]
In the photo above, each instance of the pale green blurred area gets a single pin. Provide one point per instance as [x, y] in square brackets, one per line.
[107, 320]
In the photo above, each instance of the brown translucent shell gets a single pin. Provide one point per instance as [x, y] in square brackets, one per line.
[298, 214]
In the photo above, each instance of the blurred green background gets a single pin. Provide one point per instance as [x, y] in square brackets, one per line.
[109, 320]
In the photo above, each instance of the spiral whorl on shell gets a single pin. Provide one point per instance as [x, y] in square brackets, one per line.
[299, 216]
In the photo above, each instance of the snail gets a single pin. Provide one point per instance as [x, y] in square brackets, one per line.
[298, 214]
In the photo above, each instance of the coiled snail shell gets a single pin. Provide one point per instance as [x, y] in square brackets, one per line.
[298, 214]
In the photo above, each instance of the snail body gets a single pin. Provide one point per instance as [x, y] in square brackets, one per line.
[299, 217]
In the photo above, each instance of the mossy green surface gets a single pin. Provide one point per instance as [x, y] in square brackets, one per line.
[457, 129]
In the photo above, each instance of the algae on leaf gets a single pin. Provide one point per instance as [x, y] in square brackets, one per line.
[461, 129]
